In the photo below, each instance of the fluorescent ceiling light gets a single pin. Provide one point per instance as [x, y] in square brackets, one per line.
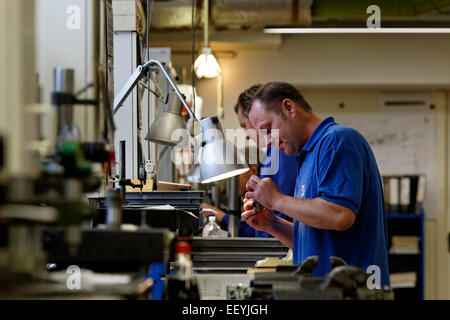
[354, 30]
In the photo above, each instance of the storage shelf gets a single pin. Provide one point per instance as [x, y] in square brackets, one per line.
[407, 225]
[404, 254]
[405, 287]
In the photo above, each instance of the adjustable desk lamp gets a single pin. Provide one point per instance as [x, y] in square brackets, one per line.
[214, 156]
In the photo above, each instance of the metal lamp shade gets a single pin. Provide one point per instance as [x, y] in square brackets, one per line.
[161, 130]
[220, 160]
[170, 120]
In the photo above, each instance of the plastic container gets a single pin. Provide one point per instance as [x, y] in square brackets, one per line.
[212, 229]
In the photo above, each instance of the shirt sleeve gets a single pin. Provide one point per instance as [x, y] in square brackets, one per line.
[224, 222]
[262, 234]
[340, 172]
[246, 230]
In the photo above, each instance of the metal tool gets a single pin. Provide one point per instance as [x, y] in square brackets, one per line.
[257, 206]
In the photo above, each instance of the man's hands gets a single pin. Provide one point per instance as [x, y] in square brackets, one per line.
[262, 220]
[265, 191]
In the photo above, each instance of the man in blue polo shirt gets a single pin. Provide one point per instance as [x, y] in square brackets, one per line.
[277, 165]
[338, 205]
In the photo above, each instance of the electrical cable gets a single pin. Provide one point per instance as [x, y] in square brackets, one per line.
[148, 74]
[148, 88]
[414, 8]
[192, 55]
[149, 17]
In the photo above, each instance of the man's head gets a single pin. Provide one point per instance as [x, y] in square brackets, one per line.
[279, 108]
[242, 108]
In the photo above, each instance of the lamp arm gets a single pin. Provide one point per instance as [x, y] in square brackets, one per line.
[138, 74]
[128, 87]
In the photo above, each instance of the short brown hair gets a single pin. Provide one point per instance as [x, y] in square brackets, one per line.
[273, 93]
[245, 99]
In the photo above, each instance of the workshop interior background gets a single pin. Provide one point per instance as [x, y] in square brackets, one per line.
[393, 87]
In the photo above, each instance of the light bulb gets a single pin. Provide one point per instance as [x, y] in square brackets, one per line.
[206, 65]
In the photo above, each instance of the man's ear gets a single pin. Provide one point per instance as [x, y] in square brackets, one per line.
[288, 108]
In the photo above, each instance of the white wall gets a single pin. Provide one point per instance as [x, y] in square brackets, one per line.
[333, 60]
[17, 86]
[59, 46]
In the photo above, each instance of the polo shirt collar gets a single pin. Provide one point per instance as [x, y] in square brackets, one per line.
[318, 132]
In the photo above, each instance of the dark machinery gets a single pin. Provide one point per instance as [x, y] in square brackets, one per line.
[343, 282]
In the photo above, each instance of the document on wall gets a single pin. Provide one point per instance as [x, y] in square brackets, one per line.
[404, 144]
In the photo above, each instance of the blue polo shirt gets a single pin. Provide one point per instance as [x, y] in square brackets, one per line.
[283, 171]
[338, 165]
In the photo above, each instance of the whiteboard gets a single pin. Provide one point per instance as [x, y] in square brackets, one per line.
[402, 144]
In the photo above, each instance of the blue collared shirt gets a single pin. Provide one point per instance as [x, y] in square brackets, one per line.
[338, 165]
